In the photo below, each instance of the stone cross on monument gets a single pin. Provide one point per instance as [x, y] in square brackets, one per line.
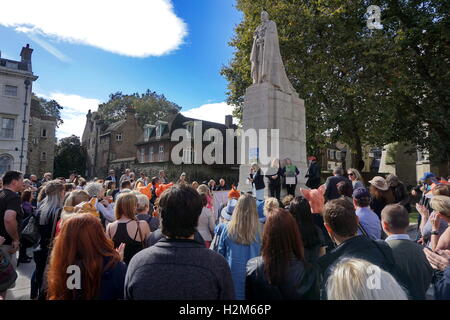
[272, 103]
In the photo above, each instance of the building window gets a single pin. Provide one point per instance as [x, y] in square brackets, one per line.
[44, 133]
[161, 152]
[6, 162]
[148, 132]
[7, 128]
[150, 154]
[11, 91]
[119, 137]
[158, 131]
[43, 156]
[142, 154]
[190, 130]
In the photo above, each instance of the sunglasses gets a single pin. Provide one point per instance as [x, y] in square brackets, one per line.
[351, 174]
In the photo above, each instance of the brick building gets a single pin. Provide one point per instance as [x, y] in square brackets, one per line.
[154, 149]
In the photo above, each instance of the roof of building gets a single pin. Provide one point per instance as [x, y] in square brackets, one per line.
[115, 126]
[176, 121]
[16, 65]
[124, 160]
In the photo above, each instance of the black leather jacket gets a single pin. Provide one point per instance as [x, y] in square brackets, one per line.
[299, 284]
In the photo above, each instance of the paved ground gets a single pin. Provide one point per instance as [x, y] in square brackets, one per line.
[22, 289]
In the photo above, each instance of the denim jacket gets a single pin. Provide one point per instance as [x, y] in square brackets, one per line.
[237, 256]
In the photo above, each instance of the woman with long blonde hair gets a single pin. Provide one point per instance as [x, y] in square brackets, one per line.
[240, 241]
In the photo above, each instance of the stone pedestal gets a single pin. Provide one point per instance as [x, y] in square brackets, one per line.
[266, 107]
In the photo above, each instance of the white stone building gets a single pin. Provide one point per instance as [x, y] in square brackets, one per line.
[16, 79]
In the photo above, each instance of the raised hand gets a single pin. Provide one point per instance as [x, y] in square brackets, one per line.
[121, 250]
[438, 261]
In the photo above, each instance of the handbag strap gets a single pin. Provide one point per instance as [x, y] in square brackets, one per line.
[363, 231]
[52, 237]
[55, 221]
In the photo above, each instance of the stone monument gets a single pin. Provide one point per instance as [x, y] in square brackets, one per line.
[272, 103]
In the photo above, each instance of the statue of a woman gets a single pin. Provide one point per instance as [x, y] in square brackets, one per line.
[267, 65]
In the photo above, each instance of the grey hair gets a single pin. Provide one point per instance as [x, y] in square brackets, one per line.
[93, 189]
[142, 202]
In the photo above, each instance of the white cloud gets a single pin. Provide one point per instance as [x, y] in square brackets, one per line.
[74, 112]
[136, 28]
[214, 112]
[49, 48]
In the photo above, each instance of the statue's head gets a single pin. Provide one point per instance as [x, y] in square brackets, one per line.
[264, 16]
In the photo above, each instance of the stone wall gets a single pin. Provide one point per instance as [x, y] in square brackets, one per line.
[37, 144]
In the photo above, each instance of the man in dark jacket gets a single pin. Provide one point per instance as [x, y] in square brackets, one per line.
[331, 191]
[177, 267]
[341, 222]
[408, 254]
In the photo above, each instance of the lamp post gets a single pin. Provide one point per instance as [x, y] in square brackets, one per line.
[24, 122]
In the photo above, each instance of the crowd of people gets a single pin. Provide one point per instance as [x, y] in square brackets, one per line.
[133, 237]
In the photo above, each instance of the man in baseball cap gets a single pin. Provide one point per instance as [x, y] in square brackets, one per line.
[427, 177]
[369, 223]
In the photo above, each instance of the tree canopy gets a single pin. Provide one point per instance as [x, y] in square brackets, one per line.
[48, 108]
[150, 106]
[70, 157]
[361, 86]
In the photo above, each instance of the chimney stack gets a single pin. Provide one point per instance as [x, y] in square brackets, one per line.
[130, 113]
[25, 55]
[229, 121]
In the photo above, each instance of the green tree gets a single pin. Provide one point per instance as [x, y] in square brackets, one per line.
[149, 106]
[48, 108]
[70, 157]
[358, 84]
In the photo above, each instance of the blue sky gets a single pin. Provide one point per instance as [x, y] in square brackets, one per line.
[81, 57]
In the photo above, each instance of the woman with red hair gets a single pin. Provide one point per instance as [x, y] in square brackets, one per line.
[82, 243]
[281, 272]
